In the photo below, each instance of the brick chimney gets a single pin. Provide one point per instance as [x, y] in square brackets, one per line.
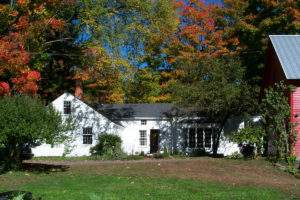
[101, 97]
[79, 89]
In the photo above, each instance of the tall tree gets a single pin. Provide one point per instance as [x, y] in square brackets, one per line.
[28, 123]
[25, 26]
[213, 88]
[129, 32]
[197, 35]
[251, 22]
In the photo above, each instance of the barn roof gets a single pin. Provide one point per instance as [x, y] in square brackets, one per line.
[144, 110]
[287, 48]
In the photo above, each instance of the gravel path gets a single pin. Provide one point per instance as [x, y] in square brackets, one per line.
[104, 162]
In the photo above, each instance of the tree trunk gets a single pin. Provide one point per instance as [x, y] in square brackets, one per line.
[217, 134]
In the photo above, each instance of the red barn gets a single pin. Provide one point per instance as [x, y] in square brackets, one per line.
[283, 63]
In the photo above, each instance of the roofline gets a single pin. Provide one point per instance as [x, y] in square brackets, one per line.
[277, 55]
[282, 35]
[91, 108]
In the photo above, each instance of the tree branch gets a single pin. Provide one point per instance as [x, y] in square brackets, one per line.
[59, 40]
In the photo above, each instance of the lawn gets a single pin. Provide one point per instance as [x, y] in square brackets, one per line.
[205, 178]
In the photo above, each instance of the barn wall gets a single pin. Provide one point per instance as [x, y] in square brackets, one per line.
[273, 72]
[295, 104]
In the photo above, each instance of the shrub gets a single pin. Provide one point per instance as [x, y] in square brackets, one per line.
[235, 156]
[28, 123]
[276, 114]
[176, 151]
[109, 147]
[291, 161]
[166, 153]
[251, 138]
[142, 153]
[158, 155]
[199, 152]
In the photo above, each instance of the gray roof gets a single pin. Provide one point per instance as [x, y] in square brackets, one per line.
[287, 48]
[144, 110]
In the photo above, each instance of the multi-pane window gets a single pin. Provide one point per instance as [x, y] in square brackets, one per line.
[143, 122]
[67, 107]
[198, 137]
[143, 137]
[208, 133]
[88, 135]
[192, 137]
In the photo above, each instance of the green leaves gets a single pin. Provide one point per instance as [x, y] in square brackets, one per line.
[27, 123]
[276, 113]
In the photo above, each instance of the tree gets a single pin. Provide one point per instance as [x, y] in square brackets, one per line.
[27, 30]
[213, 88]
[250, 22]
[251, 137]
[124, 27]
[144, 87]
[27, 123]
[276, 113]
[197, 34]
[130, 33]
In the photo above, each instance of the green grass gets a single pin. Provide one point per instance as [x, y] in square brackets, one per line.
[68, 185]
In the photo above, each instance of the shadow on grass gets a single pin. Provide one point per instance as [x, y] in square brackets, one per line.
[44, 168]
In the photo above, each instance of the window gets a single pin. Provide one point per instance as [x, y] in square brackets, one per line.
[192, 137]
[87, 135]
[208, 132]
[200, 137]
[67, 107]
[143, 122]
[143, 137]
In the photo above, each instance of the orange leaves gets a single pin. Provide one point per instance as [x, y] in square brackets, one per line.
[25, 27]
[22, 23]
[22, 2]
[12, 52]
[198, 34]
[56, 24]
[4, 89]
[26, 82]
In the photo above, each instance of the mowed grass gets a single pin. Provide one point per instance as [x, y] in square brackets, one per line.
[144, 181]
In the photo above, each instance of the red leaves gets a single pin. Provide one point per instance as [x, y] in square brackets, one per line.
[56, 24]
[24, 27]
[26, 82]
[12, 52]
[198, 34]
[4, 89]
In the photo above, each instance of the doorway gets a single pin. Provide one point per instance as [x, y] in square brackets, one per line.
[154, 140]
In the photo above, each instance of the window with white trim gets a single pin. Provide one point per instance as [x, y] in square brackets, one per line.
[198, 137]
[143, 122]
[143, 137]
[87, 135]
[67, 107]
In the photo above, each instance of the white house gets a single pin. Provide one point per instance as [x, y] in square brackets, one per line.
[142, 127]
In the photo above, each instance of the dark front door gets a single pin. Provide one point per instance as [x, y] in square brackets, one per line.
[154, 140]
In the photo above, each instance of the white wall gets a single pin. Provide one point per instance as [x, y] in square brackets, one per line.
[131, 134]
[84, 116]
[171, 132]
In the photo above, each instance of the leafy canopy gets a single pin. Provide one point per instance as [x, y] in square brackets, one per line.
[25, 123]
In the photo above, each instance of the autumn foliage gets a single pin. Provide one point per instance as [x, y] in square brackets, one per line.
[23, 26]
